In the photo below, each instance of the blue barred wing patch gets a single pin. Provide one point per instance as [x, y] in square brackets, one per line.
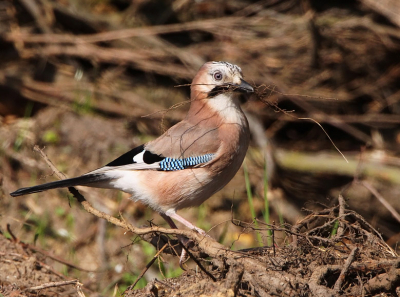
[170, 164]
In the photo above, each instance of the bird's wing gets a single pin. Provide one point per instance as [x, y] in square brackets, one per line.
[183, 146]
[187, 140]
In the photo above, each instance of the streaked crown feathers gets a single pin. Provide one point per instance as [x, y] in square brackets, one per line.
[231, 67]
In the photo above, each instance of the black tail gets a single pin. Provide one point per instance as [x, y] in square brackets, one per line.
[83, 180]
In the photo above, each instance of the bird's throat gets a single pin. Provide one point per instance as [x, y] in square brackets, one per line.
[223, 108]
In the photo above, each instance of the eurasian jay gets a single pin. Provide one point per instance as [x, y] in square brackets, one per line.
[188, 163]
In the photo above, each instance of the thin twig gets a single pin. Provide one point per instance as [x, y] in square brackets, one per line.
[59, 174]
[273, 238]
[342, 207]
[350, 259]
[144, 270]
[327, 135]
[55, 258]
[382, 200]
[15, 239]
[79, 290]
[54, 284]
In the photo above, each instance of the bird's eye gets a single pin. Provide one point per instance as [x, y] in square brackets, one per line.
[217, 75]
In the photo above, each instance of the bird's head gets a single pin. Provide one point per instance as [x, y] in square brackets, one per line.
[215, 78]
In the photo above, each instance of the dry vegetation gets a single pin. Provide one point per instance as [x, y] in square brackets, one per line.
[89, 80]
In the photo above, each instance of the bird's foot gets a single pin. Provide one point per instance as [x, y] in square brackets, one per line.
[201, 231]
[188, 243]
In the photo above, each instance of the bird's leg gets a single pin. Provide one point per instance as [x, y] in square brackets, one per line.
[185, 241]
[172, 214]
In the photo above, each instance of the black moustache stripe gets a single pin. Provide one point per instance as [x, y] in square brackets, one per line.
[217, 90]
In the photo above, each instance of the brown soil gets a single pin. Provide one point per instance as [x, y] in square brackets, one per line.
[353, 262]
[22, 269]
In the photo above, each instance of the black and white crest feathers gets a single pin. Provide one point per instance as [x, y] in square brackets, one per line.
[232, 67]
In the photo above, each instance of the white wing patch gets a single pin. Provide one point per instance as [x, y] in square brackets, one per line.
[139, 157]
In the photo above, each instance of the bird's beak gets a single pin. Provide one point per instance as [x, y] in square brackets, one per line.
[245, 87]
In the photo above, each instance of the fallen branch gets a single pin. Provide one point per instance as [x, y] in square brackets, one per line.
[205, 25]
[328, 163]
[54, 284]
[350, 259]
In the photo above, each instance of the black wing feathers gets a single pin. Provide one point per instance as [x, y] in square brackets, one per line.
[127, 158]
[69, 182]
[150, 158]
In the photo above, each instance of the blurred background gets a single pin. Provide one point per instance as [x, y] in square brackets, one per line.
[89, 80]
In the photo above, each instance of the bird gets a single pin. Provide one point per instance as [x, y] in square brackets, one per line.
[191, 161]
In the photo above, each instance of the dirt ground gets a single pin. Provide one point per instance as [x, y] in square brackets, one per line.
[353, 262]
[86, 81]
